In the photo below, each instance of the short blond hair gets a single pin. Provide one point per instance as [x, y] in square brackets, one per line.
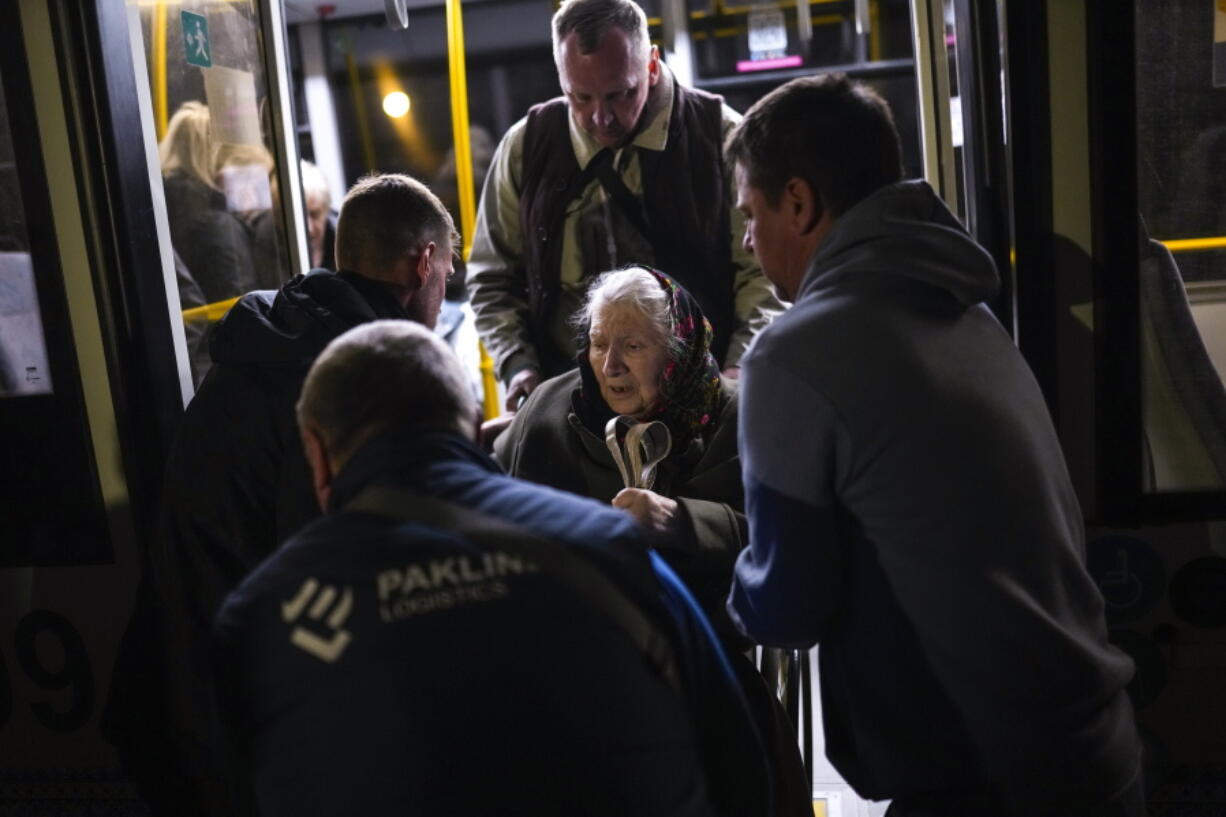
[385, 215]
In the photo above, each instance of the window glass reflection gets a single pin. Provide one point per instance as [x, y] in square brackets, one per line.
[211, 110]
[1181, 158]
[23, 348]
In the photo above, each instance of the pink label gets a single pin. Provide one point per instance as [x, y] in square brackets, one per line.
[766, 65]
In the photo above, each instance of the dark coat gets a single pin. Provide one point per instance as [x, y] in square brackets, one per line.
[468, 689]
[684, 213]
[237, 484]
[547, 443]
[213, 242]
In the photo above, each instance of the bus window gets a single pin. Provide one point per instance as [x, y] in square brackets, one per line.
[211, 112]
[1181, 159]
[46, 450]
[23, 349]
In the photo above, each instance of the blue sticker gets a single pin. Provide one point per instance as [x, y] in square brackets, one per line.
[1129, 574]
[1150, 678]
[1198, 592]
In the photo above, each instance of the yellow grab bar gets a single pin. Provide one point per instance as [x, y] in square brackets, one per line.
[213, 312]
[1190, 244]
[464, 175]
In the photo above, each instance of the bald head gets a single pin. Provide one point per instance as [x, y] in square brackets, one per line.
[381, 376]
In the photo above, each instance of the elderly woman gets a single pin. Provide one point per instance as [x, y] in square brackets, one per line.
[645, 354]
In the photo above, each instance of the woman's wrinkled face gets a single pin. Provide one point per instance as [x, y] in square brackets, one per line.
[628, 357]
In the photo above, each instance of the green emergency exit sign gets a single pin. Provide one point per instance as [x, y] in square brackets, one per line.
[196, 40]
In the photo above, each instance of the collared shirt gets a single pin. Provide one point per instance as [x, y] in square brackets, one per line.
[495, 276]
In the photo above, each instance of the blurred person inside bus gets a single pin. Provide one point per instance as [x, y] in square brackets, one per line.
[268, 231]
[248, 177]
[449, 640]
[321, 218]
[624, 168]
[909, 505]
[237, 483]
[645, 353]
[212, 241]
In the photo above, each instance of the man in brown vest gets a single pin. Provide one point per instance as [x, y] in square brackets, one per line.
[625, 168]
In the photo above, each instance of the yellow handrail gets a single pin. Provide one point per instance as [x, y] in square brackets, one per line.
[213, 312]
[459, 122]
[464, 173]
[158, 64]
[1191, 244]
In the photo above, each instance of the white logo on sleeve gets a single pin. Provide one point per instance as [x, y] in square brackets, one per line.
[325, 639]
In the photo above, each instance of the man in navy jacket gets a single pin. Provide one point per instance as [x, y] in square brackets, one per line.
[452, 641]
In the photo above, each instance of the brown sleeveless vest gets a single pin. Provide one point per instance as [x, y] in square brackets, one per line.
[685, 200]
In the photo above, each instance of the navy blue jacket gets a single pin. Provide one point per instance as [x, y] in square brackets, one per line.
[374, 664]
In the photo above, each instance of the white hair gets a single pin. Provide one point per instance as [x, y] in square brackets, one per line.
[314, 183]
[635, 287]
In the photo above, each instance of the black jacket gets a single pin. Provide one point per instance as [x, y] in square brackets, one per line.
[237, 484]
[212, 241]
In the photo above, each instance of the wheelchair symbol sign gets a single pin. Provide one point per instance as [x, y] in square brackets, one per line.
[1129, 574]
[196, 39]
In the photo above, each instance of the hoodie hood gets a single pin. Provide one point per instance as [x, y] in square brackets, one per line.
[904, 229]
[289, 327]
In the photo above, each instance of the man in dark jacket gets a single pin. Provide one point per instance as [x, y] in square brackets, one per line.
[448, 640]
[237, 483]
[909, 506]
[625, 168]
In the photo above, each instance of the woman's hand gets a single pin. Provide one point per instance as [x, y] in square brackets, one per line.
[521, 385]
[653, 511]
[491, 430]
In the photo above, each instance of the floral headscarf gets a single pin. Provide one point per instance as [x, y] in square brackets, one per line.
[689, 393]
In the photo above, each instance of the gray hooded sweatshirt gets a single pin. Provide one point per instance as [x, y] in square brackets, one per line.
[910, 509]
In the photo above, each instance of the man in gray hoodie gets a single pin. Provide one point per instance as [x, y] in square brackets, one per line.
[908, 500]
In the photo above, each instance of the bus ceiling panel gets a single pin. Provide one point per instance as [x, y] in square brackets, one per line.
[307, 11]
[491, 28]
